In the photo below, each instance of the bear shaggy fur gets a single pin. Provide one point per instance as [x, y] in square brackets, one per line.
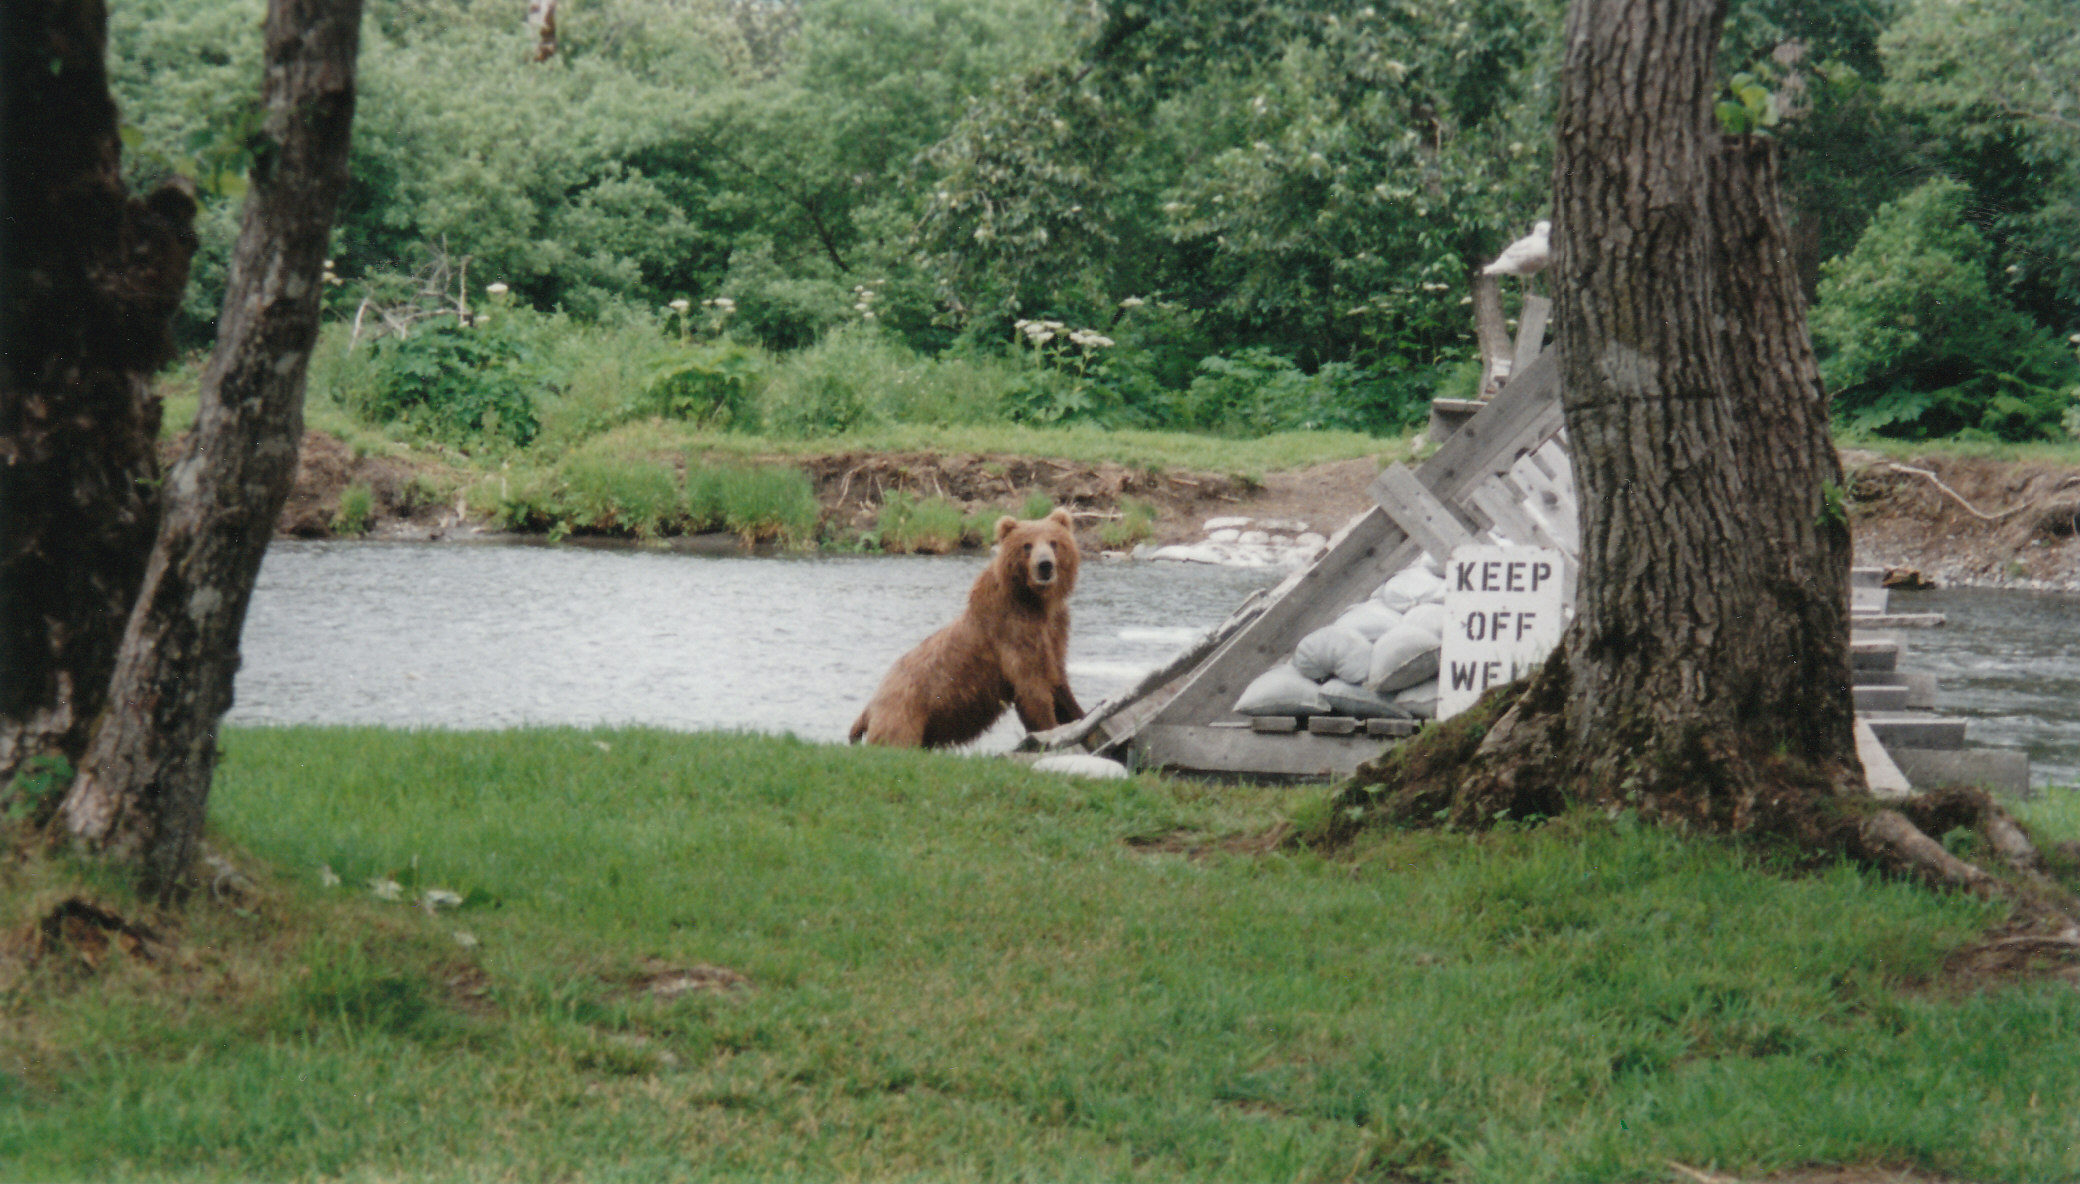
[1010, 647]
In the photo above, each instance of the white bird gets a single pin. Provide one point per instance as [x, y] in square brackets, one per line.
[1527, 256]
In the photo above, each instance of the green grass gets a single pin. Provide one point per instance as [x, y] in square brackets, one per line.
[934, 525]
[964, 971]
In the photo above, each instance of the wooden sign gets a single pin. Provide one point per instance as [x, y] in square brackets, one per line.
[1503, 609]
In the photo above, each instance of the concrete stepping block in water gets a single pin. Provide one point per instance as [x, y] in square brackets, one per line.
[1866, 577]
[1916, 731]
[1920, 686]
[1874, 655]
[2001, 770]
[1870, 698]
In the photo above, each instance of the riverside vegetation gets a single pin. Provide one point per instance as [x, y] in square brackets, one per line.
[605, 955]
[733, 230]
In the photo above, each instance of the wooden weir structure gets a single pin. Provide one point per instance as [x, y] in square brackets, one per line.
[1502, 474]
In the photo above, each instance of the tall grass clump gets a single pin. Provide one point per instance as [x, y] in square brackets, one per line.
[1137, 521]
[615, 494]
[757, 503]
[932, 526]
[856, 377]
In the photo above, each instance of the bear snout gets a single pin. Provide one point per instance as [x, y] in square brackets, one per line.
[1043, 564]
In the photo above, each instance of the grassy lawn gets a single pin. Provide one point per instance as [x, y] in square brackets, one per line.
[960, 970]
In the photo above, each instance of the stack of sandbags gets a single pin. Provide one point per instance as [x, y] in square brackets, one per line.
[1379, 659]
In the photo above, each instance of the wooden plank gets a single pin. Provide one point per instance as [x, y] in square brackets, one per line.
[1372, 547]
[1553, 504]
[1531, 332]
[1509, 515]
[1552, 457]
[1240, 752]
[1418, 513]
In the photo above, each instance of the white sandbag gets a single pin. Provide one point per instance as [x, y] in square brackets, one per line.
[1419, 700]
[1409, 587]
[1282, 690]
[1333, 652]
[1404, 657]
[1369, 619]
[1353, 700]
[1426, 616]
[1081, 764]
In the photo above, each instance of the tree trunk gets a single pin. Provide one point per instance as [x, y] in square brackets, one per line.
[1705, 679]
[91, 278]
[1710, 638]
[144, 783]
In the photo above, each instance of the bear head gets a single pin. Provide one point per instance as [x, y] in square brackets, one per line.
[1038, 556]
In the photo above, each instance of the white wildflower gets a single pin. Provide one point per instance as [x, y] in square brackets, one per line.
[680, 305]
[434, 899]
[725, 303]
[327, 877]
[1132, 302]
[386, 888]
[465, 939]
[1436, 287]
[1359, 311]
[497, 289]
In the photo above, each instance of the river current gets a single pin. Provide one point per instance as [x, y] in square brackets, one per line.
[493, 636]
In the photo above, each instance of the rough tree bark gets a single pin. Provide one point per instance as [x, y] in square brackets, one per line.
[1705, 680]
[145, 779]
[91, 278]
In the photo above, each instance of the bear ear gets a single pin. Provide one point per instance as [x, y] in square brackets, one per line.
[1060, 517]
[1006, 525]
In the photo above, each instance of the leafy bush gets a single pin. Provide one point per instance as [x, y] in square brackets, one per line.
[713, 385]
[1915, 342]
[1255, 392]
[454, 384]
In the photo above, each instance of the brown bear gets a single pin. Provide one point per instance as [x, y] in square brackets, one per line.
[1010, 647]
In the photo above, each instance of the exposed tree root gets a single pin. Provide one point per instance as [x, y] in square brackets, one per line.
[1507, 759]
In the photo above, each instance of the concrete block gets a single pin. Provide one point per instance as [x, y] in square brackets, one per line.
[1869, 698]
[1274, 723]
[1874, 654]
[1916, 731]
[2000, 770]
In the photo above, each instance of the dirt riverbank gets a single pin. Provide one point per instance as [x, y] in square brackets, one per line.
[1951, 520]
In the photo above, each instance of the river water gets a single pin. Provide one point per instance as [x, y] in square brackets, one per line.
[493, 636]
[490, 636]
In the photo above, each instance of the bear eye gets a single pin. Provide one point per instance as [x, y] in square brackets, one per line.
[1028, 548]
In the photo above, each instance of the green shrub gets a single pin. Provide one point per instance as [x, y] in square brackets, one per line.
[1036, 505]
[1915, 342]
[712, 385]
[458, 385]
[823, 391]
[357, 505]
[758, 503]
[933, 526]
[1255, 392]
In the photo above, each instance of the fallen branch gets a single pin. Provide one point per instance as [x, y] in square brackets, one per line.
[1973, 510]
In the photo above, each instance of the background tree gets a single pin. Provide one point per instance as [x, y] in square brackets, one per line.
[1705, 679]
[91, 277]
[144, 780]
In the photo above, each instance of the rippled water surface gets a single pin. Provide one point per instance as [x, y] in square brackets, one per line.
[468, 636]
[2010, 663]
[482, 636]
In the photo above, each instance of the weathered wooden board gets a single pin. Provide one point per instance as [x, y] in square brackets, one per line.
[1372, 547]
[1531, 332]
[1431, 523]
[1240, 752]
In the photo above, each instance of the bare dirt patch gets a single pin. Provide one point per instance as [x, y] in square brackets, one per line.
[1968, 520]
[407, 497]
